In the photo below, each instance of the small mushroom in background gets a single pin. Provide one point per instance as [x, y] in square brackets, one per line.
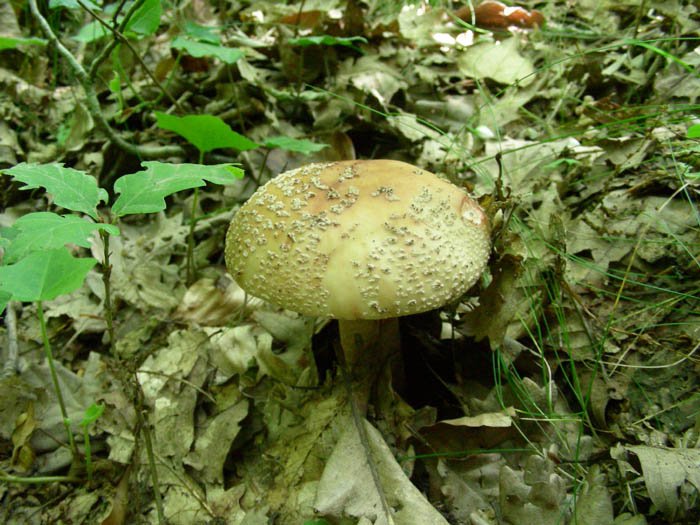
[496, 16]
[361, 241]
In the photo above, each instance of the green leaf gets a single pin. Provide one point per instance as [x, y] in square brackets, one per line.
[72, 189]
[44, 275]
[223, 178]
[92, 413]
[63, 132]
[202, 33]
[73, 4]
[145, 191]
[4, 298]
[146, 19]
[693, 131]
[557, 162]
[228, 55]
[91, 32]
[300, 146]
[12, 43]
[327, 40]
[48, 231]
[7, 235]
[115, 85]
[205, 132]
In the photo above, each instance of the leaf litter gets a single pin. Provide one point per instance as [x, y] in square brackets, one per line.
[566, 391]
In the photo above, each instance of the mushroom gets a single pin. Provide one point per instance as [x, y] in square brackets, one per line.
[361, 241]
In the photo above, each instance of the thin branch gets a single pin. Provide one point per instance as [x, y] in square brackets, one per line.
[9, 478]
[10, 366]
[93, 103]
[105, 51]
[118, 36]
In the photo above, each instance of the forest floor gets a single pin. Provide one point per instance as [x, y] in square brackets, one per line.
[562, 388]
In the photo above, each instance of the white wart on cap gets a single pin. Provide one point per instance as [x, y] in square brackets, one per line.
[361, 239]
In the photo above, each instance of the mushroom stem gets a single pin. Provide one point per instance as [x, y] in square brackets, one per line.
[367, 347]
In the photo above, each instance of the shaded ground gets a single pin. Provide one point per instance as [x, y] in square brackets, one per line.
[563, 388]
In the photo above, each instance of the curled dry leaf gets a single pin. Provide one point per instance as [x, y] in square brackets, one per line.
[213, 303]
[666, 471]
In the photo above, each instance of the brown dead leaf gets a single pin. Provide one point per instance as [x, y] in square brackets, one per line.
[23, 454]
[668, 474]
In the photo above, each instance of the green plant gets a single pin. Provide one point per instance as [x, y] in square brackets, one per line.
[31, 280]
[91, 414]
[207, 133]
[38, 266]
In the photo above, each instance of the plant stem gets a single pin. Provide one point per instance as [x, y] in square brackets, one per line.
[190, 240]
[36, 480]
[190, 237]
[54, 378]
[10, 367]
[357, 411]
[88, 458]
[106, 275]
[152, 466]
[93, 103]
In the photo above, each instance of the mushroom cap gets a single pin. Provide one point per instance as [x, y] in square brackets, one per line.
[360, 239]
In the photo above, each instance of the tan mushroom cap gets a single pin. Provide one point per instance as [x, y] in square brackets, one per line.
[361, 239]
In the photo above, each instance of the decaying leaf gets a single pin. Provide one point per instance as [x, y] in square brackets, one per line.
[594, 504]
[346, 487]
[535, 500]
[213, 303]
[504, 305]
[22, 453]
[500, 61]
[671, 475]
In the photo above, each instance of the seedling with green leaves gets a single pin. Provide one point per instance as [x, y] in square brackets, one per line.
[38, 266]
[207, 133]
[91, 414]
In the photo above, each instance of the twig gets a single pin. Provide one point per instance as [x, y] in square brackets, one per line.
[105, 51]
[9, 478]
[10, 366]
[144, 431]
[121, 38]
[106, 275]
[93, 104]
